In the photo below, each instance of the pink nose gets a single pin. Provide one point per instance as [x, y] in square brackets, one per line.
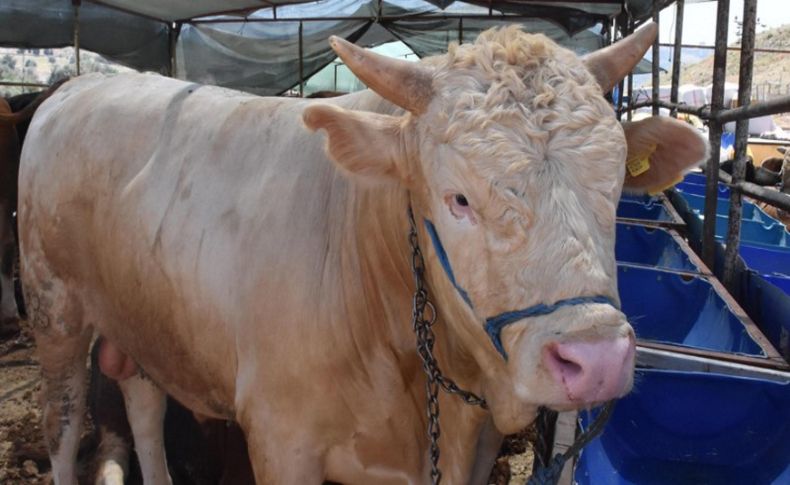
[592, 372]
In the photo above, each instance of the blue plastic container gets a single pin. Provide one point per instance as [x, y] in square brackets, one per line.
[699, 189]
[767, 299]
[650, 246]
[683, 428]
[695, 178]
[653, 211]
[749, 211]
[766, 261]
[681, 310]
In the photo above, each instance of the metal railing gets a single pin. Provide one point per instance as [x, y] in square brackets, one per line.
[716, 116]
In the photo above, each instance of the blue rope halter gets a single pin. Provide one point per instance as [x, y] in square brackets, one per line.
[495, 324]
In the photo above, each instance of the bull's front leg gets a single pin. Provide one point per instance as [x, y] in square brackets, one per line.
[280, 447]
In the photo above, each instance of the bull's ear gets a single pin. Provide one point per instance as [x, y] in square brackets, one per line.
[660, 151]
[364, 144]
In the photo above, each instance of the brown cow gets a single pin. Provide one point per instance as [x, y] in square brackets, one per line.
[10, 143]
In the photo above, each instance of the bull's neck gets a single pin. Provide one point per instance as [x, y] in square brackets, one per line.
[381, 240]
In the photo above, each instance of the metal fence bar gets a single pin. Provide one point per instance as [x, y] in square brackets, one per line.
[546, 11]
[23, 84]
[769, 196]
[673, 96]
[715, 129]
[755, 110]
[741, 139]
[656, 64]
[730, 48]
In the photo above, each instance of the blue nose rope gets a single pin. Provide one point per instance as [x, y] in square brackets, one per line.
[495, 324]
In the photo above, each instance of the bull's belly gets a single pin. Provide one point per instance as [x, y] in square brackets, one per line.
[171, 353]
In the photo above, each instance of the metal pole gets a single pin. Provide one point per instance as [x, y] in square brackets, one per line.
[712, 170]
[656, 65]
[774, 106]
[460, 31]
[76, 4]
[173, 29]
[301, 61]
[673, 96]
[628, 31]
[741, 139]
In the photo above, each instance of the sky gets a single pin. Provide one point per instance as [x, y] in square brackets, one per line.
[699, 20]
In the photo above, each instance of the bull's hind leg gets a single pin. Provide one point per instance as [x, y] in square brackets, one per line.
[145, 406]
[62, 341]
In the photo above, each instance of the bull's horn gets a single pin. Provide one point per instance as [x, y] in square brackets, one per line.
[611, 64]
[403, 83]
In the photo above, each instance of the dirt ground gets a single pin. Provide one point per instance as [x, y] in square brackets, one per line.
[23, 456]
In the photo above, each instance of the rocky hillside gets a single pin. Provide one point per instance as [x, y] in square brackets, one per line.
[769, 68]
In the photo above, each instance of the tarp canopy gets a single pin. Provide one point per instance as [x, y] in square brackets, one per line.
[268, 46]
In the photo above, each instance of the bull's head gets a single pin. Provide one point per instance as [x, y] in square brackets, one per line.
[515, 163]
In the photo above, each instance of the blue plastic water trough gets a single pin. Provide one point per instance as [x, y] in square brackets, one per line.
[653, 210]
[681, 310]
[769, 262]
[650, 246]
[683, 428]
[699, 189]
[749, 211]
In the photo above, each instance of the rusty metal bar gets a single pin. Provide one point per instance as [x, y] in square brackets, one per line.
[23, 84]
[678, 49]
[755, 110]
[656, 66]
[730, 48]
[715, 129]
[702, 111]
[741, 139]
[773, 197]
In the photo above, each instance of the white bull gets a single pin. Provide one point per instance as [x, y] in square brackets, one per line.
[209, 236]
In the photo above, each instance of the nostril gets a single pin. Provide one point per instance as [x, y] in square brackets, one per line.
[561, 362]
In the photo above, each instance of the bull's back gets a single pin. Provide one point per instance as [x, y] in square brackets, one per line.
[166, 203]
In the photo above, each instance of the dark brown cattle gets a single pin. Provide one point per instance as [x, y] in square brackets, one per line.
[15, 115]
[9, 167]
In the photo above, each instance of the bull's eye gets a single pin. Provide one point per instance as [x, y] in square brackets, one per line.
[459, 207]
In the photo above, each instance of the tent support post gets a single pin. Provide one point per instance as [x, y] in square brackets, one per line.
[676, 55]
[76, 42]
[741, 139]
[173, 29]
[301, 60]
[715, 129]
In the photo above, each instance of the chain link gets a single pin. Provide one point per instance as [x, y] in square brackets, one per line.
[423, 328]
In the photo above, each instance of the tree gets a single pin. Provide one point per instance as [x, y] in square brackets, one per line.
[8, 61]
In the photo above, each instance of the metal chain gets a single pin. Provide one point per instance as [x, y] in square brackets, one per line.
[425, 340]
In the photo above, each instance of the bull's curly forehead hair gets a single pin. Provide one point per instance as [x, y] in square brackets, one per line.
[508, 95]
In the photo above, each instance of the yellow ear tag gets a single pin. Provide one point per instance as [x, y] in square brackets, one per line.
[640, 164]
